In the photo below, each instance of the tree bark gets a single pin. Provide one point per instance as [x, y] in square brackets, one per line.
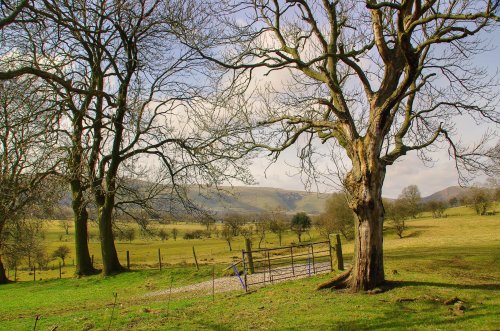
[368, 266]
[364, 185]
[84, 265]
[3, 274]
[365, 188]
[110, 261]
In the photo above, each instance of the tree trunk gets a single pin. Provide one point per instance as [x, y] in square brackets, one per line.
[3, 274]
[84, 265]
[110, 262]
[367, 272]
[368, 265]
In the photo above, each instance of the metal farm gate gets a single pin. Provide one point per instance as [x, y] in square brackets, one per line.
[271, 265]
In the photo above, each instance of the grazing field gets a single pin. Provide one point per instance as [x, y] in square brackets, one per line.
[143, 249]
[443, 275]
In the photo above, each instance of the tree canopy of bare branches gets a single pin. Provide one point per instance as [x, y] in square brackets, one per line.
[28, 153]
[128, 90]
[374, 80]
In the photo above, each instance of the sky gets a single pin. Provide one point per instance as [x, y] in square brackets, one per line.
[408, 170]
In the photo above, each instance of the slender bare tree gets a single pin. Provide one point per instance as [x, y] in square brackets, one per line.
[337, 217]
[410, 196]
[374, 79]
[28, 152]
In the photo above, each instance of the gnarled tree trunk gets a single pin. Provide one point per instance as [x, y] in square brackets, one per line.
[364, 185]
[368, 265]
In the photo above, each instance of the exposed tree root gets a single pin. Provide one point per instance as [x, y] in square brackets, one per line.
[339, 282]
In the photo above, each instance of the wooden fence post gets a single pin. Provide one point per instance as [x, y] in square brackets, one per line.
[269, 267]
[159, 258]
[314, 264]
[34, 273]
[195, 259]
[291, 256]
[128, 260]
[248, 246]
[60, 271]
[244, 269]
[15, 272]
[92, 260]
[330, 252]
[213, 283]
[338, 251]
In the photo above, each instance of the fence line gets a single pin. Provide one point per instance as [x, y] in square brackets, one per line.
[272, 264]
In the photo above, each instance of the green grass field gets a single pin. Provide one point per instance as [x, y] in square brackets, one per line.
[438, 260]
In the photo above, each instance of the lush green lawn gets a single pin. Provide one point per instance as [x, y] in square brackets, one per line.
[439, 259]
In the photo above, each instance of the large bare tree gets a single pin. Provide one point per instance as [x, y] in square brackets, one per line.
[372, 79]
[126, 86]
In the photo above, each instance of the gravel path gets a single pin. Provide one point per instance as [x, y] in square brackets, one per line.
[227, 284]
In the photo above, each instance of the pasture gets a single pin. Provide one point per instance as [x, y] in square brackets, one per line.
[443, 275]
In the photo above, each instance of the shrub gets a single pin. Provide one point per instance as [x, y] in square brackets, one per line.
[61, 252]
[301, 222]
[125, 234]
[163, 235]
[195, 234]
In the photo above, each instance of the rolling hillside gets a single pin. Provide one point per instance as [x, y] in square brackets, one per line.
[248, 199]
[257, 199]
[447, 194]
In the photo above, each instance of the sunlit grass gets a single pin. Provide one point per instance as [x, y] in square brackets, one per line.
[437, 260]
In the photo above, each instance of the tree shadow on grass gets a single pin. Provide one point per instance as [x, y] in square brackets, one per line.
[399, 284]
[413, 234]
[215, 326]
[397, 321]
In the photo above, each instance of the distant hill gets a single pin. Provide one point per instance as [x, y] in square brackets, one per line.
[250, 199]
[447, 194]
[257, 199]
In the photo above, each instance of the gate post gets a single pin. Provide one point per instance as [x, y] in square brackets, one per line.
[330, 250]
[269, 266]
[248, 245]
[314, 264]
[244, 269]
[338, 251]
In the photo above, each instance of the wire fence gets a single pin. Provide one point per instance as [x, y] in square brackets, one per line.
[258, 266]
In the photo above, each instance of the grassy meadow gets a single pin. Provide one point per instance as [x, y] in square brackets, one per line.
[437, 260]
